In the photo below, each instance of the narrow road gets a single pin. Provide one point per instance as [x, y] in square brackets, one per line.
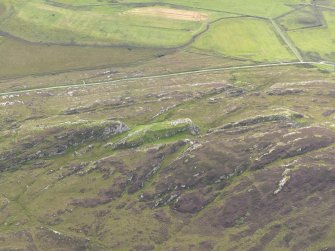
[162, 76]
[287, 41]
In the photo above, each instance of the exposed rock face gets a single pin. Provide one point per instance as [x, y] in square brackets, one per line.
[101, 104]
[93, 131]
[283, 92]
[261, 119]
[116, 127]
[229, 90]
[57, 140]
[192, 128]
[283, 181]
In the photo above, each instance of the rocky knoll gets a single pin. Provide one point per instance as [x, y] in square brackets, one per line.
[156, 131]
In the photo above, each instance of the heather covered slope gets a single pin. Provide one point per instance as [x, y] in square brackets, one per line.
[230, 160]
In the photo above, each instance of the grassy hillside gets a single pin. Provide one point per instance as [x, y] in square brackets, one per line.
[171, 125]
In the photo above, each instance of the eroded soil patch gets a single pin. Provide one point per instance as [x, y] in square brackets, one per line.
[169, 13]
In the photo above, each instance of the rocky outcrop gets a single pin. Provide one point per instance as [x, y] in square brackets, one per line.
[192, 181]
[57, 140]
[101, 104]
[130, 181]
[328, 112]
[229, 90]
[284, 92]
[293, 144]
[281, 117]
[156, 131]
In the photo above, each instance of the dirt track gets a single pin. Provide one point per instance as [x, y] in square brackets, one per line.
[163, 76]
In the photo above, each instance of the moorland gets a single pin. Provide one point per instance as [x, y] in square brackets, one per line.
[167, 125]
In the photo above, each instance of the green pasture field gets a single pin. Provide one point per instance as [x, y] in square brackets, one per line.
[37, 21]
[248, 38]
[317, 43]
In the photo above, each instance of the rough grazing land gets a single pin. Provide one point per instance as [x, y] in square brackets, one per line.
[179, 125]
[238, 160]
